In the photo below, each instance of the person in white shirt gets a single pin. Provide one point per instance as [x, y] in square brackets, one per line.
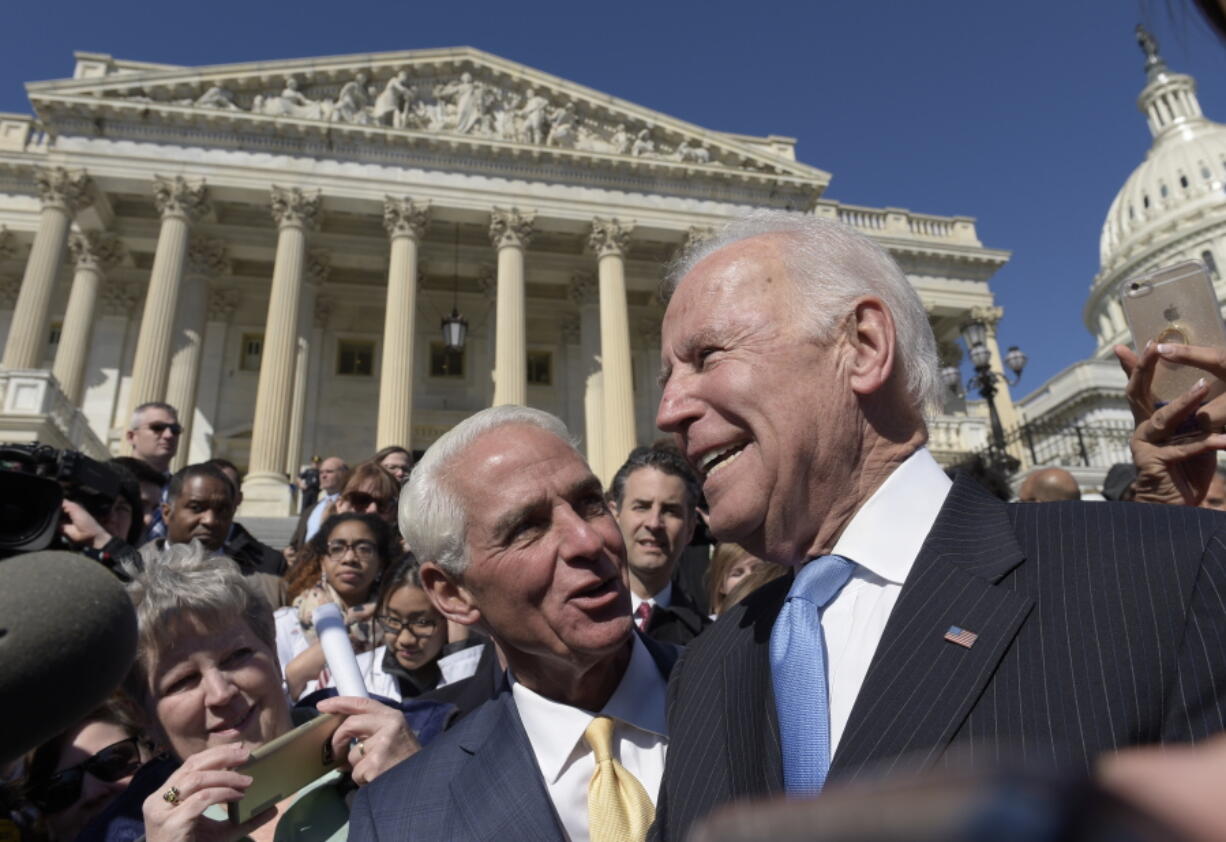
[516, 540]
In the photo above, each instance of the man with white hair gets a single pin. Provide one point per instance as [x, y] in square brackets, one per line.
[926, 620]
[515, 538]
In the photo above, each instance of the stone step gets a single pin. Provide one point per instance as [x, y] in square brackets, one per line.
[273, 531]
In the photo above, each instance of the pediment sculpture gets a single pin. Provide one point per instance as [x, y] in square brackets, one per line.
[462, 105]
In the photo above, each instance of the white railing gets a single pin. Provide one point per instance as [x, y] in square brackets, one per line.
[951, 436]
[865, 218]
[930, 226]
[898, 222]
[32, 408]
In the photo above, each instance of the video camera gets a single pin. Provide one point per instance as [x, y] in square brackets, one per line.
[34, 480]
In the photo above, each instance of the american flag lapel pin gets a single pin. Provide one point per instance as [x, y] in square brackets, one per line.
[962, 637]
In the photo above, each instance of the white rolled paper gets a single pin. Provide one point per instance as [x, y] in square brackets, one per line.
[338, 651]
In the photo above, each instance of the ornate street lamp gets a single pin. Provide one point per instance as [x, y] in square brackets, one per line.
[975, 337]
[455, 326]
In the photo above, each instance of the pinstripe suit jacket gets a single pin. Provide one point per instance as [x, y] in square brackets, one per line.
[1101, 625]
[478, 781]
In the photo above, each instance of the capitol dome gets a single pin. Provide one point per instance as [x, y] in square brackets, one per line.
[1172, 207]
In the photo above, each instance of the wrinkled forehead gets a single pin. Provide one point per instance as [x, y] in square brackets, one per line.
[748, 274]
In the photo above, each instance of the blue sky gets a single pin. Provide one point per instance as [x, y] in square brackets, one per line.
[1020, 114]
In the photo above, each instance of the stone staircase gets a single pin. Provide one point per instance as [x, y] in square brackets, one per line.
[273, 531]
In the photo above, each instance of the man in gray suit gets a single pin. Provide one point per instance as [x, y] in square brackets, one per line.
[928, 621]
[516, 539]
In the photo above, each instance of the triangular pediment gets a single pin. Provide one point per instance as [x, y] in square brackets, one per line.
[454, 98]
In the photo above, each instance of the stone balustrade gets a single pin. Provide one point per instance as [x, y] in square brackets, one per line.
[902, 223]
[951, 437]
[33, 408]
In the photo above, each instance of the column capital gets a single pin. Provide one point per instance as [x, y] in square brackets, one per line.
[610, 236]
[120, 299]
[293, 206]
[207, 256]
[695, 236]
[177, 197]
[988, 315]
[223, 303]
[317, 267]
[70, 190]
[324, 306]
[10, 249]
[511, 227]
[98, 250]
[402, 217]
[584, 288]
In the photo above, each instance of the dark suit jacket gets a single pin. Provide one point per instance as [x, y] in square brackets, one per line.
[478, 781]
[1101, 625]
[680, 622]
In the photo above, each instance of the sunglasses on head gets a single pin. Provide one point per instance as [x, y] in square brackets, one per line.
[61, 790]
[361, 501]
[159, 427]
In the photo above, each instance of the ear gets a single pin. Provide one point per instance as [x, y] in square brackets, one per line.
[166, 509]
[870, 335]
[450, 597]
[613, 507]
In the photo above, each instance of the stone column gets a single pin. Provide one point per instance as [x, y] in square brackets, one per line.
[265, 492]
[63, 193]
[510, 231]
[223, 303]
[318, 265]
[180, 202]
[585, 293]
[206, 258]
[405, 221]
[609, 240]
[94, 252]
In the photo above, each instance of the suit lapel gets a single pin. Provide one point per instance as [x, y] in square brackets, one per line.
[502, 794]
[920, 687]
[752, 723]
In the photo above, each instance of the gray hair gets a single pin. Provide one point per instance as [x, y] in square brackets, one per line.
[433, 520]
[140, 410]
[183, 580]
[833, 265]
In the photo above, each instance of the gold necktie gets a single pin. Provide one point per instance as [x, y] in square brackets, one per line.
[618, 808]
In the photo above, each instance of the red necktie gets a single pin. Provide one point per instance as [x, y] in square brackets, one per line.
[642, 616]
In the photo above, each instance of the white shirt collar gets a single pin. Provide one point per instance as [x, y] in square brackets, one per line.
[555, 728]
[663, 599]
[886, 534]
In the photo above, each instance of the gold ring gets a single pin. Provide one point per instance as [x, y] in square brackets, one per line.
[361, 748]
[171, 796]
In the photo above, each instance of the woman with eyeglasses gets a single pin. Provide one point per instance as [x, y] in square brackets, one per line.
[72, 778]
[343, 565]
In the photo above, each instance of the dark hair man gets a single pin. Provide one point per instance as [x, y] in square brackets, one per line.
[151, 483]
[200, 505]
[926, 617]
[516, 539]
[654, 497]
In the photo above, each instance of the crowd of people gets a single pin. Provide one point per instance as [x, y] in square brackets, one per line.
[549, 658]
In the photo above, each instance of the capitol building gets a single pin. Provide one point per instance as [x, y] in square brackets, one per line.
[1170, 209]
[330, 255]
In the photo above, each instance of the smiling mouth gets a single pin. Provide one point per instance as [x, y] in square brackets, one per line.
[239, 725]
[718, 459]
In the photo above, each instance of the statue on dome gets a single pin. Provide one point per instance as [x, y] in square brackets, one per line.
[1149, 44]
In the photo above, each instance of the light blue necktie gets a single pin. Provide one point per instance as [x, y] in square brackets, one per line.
[798, 674]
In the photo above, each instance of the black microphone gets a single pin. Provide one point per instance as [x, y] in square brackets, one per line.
[67, 640]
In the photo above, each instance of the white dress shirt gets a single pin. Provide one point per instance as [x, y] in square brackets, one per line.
[316, 517]
[883, 539]
[663, 599]
[640, 737]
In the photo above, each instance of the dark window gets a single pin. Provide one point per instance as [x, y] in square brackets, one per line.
[540, 368]
[356, 357]
[446, 362]
[1162, 190]
[253, 349]
[53, 336]
[1183, 181]
[1210, 263]
[1145, 201]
